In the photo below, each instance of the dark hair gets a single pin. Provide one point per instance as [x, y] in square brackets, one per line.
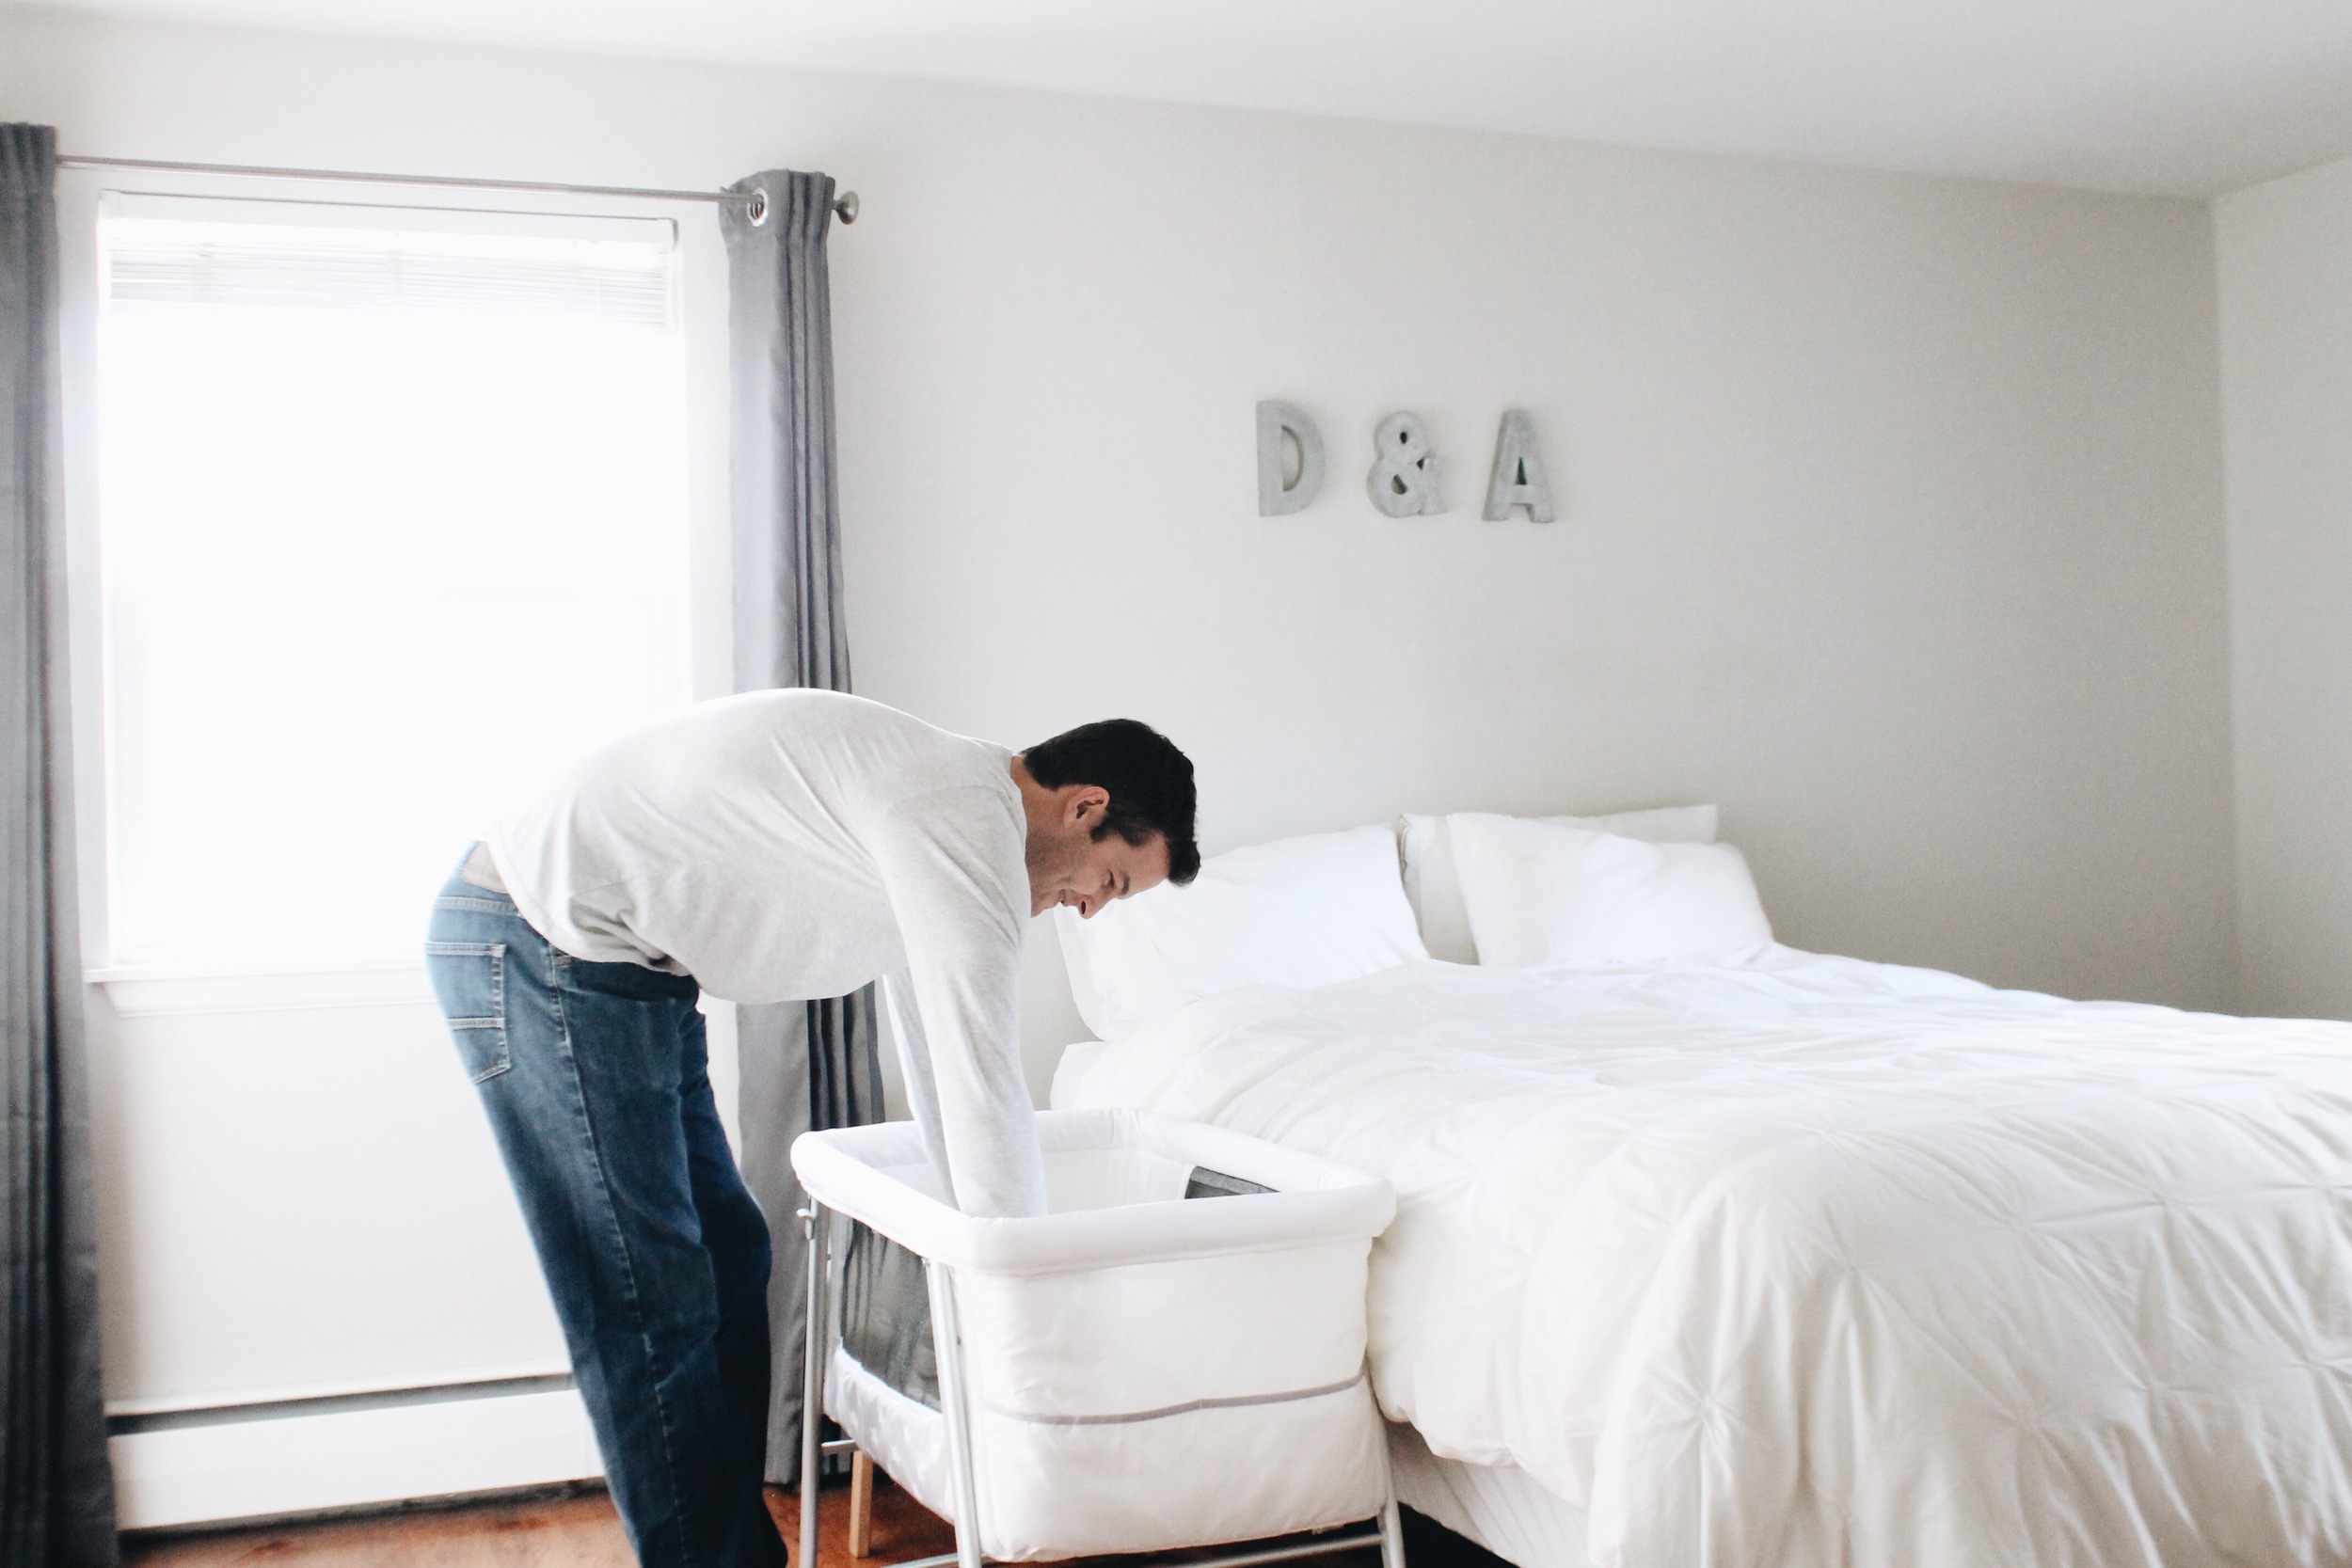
[1150, 782]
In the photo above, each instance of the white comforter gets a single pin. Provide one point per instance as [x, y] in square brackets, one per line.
[1812, 1261]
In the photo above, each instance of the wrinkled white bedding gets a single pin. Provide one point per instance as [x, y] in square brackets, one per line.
[1807, 1260]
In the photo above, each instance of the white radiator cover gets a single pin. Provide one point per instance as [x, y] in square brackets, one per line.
[235, 1469]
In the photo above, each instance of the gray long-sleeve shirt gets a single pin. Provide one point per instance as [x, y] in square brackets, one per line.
[798, 844]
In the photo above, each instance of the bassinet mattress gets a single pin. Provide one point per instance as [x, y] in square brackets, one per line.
[1806, 1261]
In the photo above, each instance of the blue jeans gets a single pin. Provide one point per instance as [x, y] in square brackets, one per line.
[598, 1087]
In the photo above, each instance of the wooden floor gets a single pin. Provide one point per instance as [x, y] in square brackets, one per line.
[582, 1531]
[576, 1531]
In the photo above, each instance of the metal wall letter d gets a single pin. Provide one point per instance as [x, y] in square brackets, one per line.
[1275, 420]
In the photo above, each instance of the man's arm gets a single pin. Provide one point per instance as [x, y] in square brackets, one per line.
[914, 1071]
[952, 861]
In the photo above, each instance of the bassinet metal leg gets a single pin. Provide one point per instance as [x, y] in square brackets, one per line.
[1392, 1522]
[816, 1349]
[955, 1405]
[1391, 1534]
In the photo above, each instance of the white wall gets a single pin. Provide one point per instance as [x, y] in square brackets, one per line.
[1892, 516]
[2285, 280]
[1893, 506]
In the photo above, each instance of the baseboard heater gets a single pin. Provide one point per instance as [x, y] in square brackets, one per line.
[267, 1458]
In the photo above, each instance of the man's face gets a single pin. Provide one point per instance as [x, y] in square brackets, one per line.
[1090, 872]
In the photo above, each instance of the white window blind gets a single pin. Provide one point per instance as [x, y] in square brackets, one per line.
[392, 512]
[176, 263]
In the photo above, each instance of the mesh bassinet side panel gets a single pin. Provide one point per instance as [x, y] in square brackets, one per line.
[886, 1315]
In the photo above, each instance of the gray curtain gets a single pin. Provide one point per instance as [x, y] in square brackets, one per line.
[805, 1064]
[57, 1496]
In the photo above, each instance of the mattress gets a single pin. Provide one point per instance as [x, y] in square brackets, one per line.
[1499, 1506]
[1806, 1261]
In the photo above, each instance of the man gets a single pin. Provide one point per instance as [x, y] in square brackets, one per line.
[774, 845]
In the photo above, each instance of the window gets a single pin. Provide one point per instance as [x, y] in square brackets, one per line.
[393, 522]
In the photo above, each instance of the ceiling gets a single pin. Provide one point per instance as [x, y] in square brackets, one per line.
[2183, 97]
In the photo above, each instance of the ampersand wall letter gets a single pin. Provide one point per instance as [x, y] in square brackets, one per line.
[1404, 477]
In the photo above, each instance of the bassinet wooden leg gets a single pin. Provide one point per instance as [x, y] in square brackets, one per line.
[860, 1503]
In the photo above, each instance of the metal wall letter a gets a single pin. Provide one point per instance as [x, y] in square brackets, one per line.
[1518, 478]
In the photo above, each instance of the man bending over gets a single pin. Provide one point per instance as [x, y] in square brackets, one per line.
[767, 848]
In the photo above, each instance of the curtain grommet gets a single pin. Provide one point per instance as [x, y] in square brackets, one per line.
[757, 210]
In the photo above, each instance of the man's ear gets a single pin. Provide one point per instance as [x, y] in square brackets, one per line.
[1087, 805]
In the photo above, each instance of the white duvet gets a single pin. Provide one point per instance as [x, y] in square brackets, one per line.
[1814, 1262]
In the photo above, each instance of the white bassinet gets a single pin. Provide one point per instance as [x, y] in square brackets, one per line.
[1132, 1371]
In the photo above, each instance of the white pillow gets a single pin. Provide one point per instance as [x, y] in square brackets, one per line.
[1434, 891]
[1301, 912]
[1541, 893]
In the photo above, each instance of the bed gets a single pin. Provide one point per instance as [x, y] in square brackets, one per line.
[1757, 1256]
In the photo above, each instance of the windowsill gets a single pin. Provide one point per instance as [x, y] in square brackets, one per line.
[148, 991]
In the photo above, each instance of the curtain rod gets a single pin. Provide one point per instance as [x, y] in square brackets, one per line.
[844, 204]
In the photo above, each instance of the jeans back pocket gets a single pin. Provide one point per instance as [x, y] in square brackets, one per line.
[469, 982]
